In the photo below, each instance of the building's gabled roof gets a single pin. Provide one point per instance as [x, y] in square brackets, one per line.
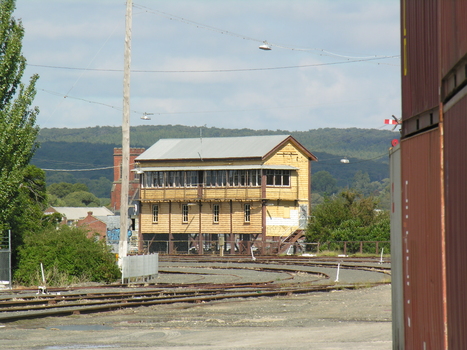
[215, 148]
[77, 213]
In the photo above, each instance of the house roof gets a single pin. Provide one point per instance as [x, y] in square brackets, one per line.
[216, 148]
[77, 213]
[219, 167]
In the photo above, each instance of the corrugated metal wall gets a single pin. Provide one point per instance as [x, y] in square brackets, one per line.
[420, 78]
[455, 146]
[434, 173]
[397, 280]
[453, 27]
[421, 226]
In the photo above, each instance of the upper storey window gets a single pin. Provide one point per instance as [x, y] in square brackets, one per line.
[279, 178]
[208, 178]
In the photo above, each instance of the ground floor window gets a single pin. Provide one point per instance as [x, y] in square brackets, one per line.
[155, 213]
[185, 213]
[247, 212]
[215, 213]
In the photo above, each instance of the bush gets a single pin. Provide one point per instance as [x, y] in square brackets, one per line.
[348, 217]
[67, 255]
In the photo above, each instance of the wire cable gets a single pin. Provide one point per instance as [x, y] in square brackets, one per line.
[220, 70]
[321, 52]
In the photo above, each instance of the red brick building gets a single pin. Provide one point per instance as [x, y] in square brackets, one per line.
[115, 198]
[94, 225]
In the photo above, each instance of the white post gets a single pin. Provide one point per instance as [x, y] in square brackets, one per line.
[252, 254]
[123, 243]
[338, 269]
[381, 259]
[42, 272]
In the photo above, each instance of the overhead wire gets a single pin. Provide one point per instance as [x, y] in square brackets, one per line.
[216, 70]
[193, 112]
[321, 52]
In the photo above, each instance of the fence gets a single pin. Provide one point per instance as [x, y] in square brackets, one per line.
[5, 261]
[268, 247]
[137, 267]
[350, 247]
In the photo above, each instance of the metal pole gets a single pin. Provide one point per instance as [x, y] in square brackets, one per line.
[9, 255]
[123, 243]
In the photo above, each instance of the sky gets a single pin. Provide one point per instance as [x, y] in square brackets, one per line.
[332, 63]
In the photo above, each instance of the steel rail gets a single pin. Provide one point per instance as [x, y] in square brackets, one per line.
[55, 310]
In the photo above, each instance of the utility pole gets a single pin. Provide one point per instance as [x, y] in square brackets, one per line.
[123, 243]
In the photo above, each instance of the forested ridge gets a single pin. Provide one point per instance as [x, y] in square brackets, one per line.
[92, 147]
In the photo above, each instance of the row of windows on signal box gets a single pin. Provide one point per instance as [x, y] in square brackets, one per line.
[215, 178]
[215, 213]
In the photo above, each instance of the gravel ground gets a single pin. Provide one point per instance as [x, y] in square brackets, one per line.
[345, 319]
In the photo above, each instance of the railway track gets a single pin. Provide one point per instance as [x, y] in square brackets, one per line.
[22, 304]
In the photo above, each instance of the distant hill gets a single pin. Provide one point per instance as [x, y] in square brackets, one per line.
[90, 148]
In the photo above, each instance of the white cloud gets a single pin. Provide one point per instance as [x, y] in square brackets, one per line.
[90, 34]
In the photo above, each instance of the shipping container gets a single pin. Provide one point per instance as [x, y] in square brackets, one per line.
[419, 53]
[453, 44]
[455, 156]
[397, 276]
[422, 241]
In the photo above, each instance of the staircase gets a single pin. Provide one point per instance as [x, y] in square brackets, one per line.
[293, 238]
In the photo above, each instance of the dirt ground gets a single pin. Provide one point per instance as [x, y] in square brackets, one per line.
[345, 319]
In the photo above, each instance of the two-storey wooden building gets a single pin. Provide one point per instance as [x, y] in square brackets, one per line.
[239, 192]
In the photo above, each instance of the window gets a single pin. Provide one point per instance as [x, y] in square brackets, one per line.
[155, 213]
[191, 178]
[278, 178]
[185, 213]
[215, 213]
[247, 212]
[210, 178]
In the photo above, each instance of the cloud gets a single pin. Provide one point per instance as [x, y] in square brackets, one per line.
[89, 34]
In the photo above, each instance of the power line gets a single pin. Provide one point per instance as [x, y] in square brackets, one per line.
[233, 70]
[320, 52]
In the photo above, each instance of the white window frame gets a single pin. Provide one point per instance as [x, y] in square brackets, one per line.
[155, 213]
[247, 212]
[216, 208]
[185, 213]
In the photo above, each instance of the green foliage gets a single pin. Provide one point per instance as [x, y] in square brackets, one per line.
[63, 189]
[348, 216]
[71, 195]
[28, 206]
[17, 122]
[350, 142]
[81, 199]
[324, 183]
[67, 255]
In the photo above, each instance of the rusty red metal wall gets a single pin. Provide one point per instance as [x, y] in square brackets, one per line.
[455, 147]
[421, 237]
[453, 27]
[419, 50]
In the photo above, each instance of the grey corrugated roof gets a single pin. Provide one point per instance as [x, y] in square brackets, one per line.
[76, 213]
[212, 148]
[218, 167]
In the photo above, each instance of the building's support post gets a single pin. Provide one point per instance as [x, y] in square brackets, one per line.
[201, 247]
[171, 243]
[263, 211]
[231, 236]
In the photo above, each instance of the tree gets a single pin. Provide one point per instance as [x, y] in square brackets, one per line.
[63, 189]
[348, 216]
[18, 131]
[324, 183]
[28, 208]
[81, 199]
